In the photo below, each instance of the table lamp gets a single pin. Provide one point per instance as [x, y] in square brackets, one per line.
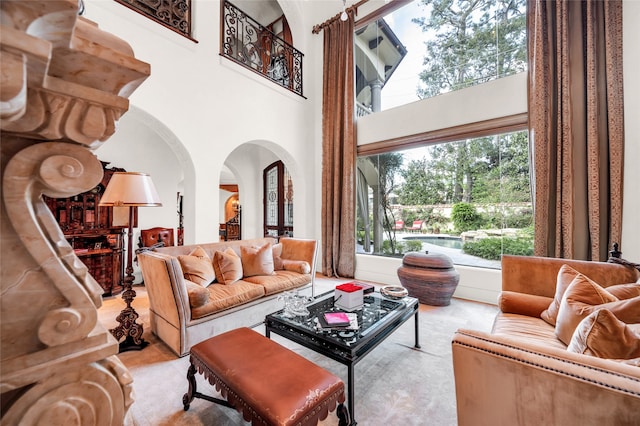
[129, 189]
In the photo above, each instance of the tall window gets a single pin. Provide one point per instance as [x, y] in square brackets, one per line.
[462, 193]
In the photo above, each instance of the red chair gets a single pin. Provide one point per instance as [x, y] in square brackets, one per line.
[417, 226]
[399, 226]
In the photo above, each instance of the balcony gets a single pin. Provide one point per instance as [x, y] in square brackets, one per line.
[248, 43]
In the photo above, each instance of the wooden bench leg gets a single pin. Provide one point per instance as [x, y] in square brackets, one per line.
[343, 415]
[193, 393]
[191, 378]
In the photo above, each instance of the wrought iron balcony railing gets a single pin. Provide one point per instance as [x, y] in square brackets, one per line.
[246, 42]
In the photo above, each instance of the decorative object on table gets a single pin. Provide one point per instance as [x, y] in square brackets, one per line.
[430, 277]
[334, 319]
[394, 292]
[130, 189]
[294, 304]
[349, 297]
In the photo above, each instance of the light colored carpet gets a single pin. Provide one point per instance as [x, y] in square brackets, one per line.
[395, 383]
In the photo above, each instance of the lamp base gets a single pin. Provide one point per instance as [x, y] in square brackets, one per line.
[129, 344]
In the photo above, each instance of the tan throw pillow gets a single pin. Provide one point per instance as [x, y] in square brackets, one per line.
[584, 296]
[277, 257]
[566, 274]
[198, 295]
[299, 266]
[197, 269]
[228, 266]
[200, 253]
[257, 260]
[603, 335]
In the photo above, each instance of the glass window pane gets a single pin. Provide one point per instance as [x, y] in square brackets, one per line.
[431, 47]
[469, 199]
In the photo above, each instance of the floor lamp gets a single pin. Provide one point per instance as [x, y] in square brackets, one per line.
[129, 189]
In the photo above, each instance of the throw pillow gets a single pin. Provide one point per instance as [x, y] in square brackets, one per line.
[603, 335]
[197, 269]
[200, 253]
[277, 257]
[566, 274]
[198, 295]
[257, 260]
[228, 266]
[625, 291]
[299, 266]
[584, 296]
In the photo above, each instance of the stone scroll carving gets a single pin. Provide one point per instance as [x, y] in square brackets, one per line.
[63, 85]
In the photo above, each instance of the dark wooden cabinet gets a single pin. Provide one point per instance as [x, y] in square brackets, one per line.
[95, 233]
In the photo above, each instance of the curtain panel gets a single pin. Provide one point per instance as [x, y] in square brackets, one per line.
[576, 128]
[338, 150]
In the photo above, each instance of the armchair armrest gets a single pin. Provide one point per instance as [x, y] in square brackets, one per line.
[300, 249]
[504, 380]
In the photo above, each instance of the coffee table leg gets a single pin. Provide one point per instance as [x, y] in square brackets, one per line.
[351, 386]
[417, 345]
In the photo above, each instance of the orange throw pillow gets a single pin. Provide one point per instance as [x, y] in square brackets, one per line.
[257, 260]
[585, 296]
[566, 274]
[228, 266]
[603, 335]
[197, 267]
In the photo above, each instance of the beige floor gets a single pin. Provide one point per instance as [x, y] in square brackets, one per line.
[395, 383]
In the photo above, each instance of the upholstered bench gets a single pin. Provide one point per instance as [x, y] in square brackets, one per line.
[266, 382]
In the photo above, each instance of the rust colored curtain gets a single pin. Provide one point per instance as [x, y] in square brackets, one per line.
[576, 126]
[338, 151]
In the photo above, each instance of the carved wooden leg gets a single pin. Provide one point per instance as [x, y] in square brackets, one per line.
[191, 378]
[343, 415]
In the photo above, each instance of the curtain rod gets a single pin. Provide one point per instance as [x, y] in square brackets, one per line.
[354, 8]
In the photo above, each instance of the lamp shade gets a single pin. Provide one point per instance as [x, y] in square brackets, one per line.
[130, 189]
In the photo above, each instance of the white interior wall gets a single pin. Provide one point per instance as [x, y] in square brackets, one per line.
[214, 106]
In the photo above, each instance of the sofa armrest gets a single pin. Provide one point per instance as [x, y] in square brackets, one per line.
[531, 305]
[300, 249]
[502, 380]
[165, 284]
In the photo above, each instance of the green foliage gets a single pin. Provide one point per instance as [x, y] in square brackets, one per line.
[470, 42]
[398, 248]
[414, 245]
[465, 217]
[494, 247]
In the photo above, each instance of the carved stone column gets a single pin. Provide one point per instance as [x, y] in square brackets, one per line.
[63, 85]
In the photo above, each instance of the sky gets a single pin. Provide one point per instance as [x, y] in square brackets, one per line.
[401, 88]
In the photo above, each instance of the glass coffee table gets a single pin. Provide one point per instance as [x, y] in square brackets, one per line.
[377, 319]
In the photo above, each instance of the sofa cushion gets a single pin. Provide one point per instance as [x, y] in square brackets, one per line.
[566, 274]
[603, 335]
[198, 295]
[256, 260]
[227, 266]
[531, 329]
[584, 296]
[299, 266]
[281, 281]
[223, 297]
[197, 267]
[276, 249]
